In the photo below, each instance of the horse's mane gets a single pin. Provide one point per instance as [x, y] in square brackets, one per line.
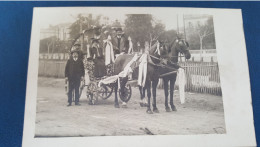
[172, 44]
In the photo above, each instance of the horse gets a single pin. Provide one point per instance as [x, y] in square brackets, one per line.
[121, 62]
[169, 54]
[152, 77]
[176, 47]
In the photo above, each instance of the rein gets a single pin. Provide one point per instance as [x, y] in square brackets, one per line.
[164, 65]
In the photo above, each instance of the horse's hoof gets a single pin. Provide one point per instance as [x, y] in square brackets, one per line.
[149, 111]
[173, 108]
[155, 110]
[124, 106]
[116, 105]
[168, 109]
[141, 104]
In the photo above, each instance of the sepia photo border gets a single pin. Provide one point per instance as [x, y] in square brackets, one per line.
[234, 77]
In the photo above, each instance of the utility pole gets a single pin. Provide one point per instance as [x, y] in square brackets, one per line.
[58, 33]
[184, 27]
[177, 24]
[80, 31]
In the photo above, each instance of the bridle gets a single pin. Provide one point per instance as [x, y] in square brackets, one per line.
[179, 50]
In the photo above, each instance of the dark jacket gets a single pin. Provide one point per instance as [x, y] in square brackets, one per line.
[120, 45]
[99, 61]
[74, 70]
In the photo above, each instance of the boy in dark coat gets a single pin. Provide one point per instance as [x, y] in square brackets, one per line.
[74, 71]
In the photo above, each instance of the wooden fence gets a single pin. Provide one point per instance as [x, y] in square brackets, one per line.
[52, 68]
[202, 77]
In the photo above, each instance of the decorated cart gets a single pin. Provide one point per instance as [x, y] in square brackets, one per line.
[89, 39]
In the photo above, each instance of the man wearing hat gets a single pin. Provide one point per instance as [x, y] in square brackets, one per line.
[74, 71]
[120, 42]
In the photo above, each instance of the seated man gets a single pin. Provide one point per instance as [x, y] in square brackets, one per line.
[120, 43]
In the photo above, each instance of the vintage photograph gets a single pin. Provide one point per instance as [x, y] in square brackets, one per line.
[117, 73]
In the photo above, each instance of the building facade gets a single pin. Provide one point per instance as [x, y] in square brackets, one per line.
[60, 31]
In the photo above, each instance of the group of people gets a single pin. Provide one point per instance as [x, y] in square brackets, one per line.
[101, 53]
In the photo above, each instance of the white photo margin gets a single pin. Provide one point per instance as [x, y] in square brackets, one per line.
[234, 76]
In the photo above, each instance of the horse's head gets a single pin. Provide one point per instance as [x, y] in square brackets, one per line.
[182, 46]
[163, 48]
[159, 48]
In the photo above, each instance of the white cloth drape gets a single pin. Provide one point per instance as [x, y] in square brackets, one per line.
[127, 70]
[109, 53]
[130, 50]
[158, 49]
[181, 79]
[142, 70]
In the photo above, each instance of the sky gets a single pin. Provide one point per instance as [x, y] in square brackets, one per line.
[54, 16]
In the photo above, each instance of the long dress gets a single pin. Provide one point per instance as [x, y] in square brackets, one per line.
[99, 61]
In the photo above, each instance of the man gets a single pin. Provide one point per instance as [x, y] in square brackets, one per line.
[74, 71]
[119, 42]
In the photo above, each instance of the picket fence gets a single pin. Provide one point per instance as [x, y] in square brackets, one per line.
[52, 68]
[202, 77]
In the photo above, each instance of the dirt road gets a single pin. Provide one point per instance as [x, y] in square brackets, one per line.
[201, 114]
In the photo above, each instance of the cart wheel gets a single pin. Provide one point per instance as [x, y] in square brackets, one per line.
[105, 91]
[126, 95]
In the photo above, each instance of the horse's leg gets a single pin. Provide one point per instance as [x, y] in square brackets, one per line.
[116, 98]
[172, 83]
[154, 86]
[148, 87]
[141, 92]
[165, 86]
[142, 95]
[123, 90]
[144, 99]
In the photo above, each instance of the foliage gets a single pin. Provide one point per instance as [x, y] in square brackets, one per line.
[168, 36]
[85, 22]
[143, 27]
[53, 45]
[201, 36]
[46, 45]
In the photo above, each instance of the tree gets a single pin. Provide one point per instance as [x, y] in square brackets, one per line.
[53, 45]
[48, 44]
[138, 26]
[82, 23]
[143, 27]
[209, 41]
[205, 30]
[156, 31]
[201, 35]
[168, 36]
